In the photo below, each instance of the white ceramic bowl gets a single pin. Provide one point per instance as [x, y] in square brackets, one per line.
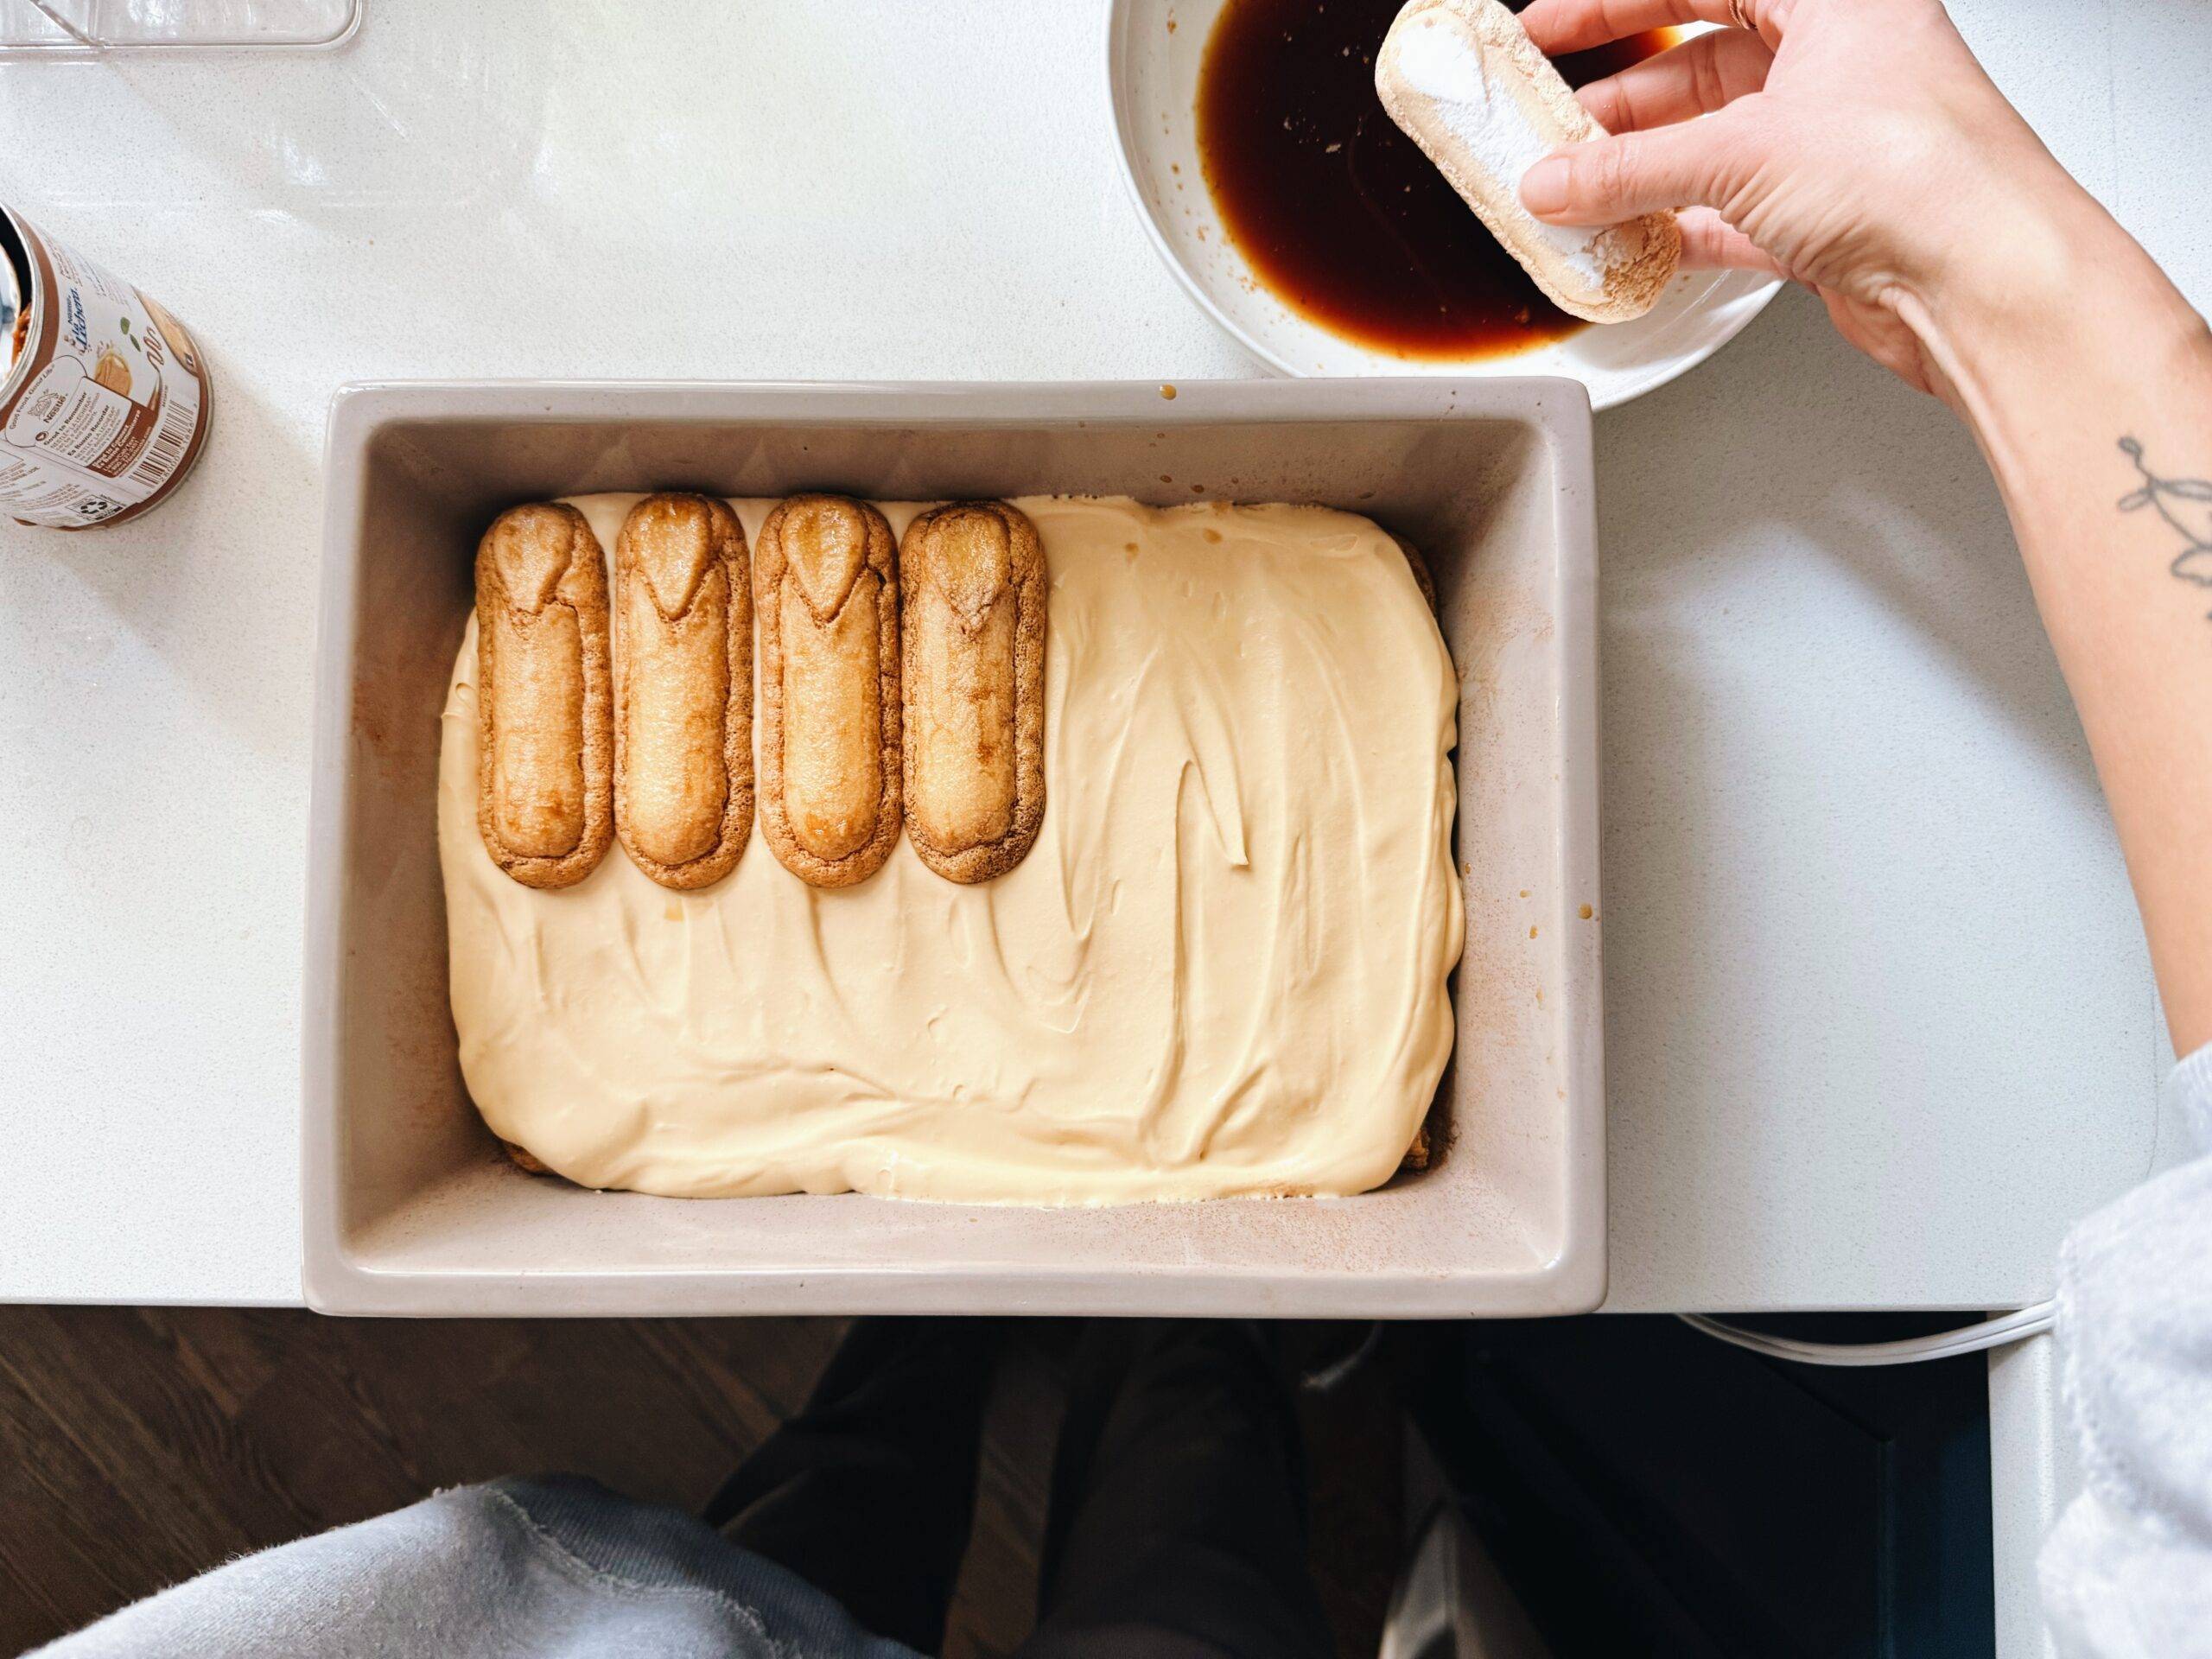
[1152, 71]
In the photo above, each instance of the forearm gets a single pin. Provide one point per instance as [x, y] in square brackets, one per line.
[2088, 382]
[1861, 150]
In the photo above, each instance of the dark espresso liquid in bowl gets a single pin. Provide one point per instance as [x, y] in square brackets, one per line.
[1338, 211]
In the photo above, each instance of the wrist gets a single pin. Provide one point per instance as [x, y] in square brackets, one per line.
[2061, 298]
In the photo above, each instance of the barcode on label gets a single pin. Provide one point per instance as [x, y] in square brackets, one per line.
[166, 447]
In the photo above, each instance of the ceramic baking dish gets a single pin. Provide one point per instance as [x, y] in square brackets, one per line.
[409, 1208]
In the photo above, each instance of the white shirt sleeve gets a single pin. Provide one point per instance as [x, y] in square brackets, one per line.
[2128, 1572]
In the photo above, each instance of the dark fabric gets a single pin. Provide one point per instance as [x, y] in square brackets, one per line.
[1177, 1523]
[1177, 1518]
[866, 1494]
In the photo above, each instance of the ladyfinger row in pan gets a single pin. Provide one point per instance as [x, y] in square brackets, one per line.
[1464, 82]
[875, 712]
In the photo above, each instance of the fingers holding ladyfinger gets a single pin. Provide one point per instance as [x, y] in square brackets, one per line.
[973, 680]
[828, 583]
[546, 755]
[682, 690]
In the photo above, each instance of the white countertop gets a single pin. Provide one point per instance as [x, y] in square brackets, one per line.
[1879, 1022]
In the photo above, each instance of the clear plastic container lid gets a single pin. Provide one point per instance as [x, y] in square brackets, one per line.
[91, 26]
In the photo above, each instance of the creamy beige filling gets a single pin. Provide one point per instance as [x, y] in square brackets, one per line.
[1220, 971]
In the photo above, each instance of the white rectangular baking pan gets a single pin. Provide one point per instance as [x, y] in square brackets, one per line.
[410, 1207]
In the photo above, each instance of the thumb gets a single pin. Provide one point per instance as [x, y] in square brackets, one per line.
[1608, 180]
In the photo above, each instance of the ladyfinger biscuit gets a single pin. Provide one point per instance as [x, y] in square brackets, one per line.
[682, 690]
[524, 1160]
[973, 634]
[1419, 565]
[545, 793]
[1466, 84]
[828, 584]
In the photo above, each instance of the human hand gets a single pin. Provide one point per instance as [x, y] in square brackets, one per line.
[1854, 146]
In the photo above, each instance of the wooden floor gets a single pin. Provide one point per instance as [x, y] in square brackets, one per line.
[140, 1445]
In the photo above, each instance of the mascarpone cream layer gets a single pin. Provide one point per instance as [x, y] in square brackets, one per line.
[1220, 971]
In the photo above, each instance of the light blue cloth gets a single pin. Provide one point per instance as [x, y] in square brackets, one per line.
[561, 1568]
[2127, 1571]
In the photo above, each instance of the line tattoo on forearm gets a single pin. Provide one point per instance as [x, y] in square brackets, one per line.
[2177, 501]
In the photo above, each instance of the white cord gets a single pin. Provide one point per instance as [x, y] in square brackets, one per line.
[1327, 1379]
[1940, 1344]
